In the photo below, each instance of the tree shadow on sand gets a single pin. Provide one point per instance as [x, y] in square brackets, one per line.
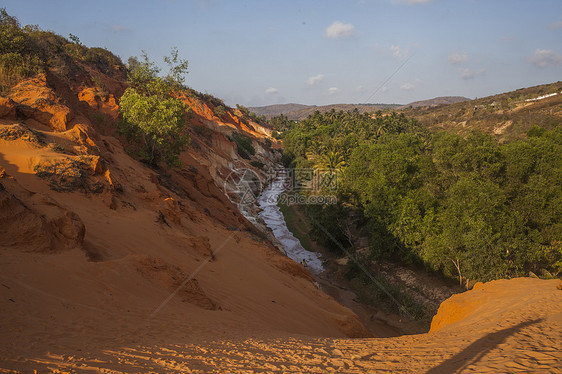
[474, 352]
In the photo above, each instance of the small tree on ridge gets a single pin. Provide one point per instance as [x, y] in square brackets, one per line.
[153, 118]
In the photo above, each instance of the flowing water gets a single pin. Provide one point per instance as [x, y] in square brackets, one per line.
[273, 218]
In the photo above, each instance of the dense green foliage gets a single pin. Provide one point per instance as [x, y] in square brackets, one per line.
[469, 207]
[281, 124]
[340, 131]
[27, 51]
[153, 119]
[17, 57]
[244, 145]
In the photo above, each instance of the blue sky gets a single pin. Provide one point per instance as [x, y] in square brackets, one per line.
[320, 52]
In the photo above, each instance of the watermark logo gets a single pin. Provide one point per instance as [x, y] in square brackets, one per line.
[299, 199]
[243, 186]
[313, 180]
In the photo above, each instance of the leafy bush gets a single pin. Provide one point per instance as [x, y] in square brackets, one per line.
[102, 88]
[27, 51]
[153, 120]
[210, 99]
[12, 37]
[103, 59]
[14, 67]
[267, 143]
[203, 131]
[257, 164]
[219, 111]
[251, 115]
[243, 145]
[17, 60]
[328, 219]
[22, 132]
[62, 174]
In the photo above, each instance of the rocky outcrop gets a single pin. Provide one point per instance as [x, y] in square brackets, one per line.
[43, 227]
[21, 132]
[71, 173]
[102, 102]
[7, 108]
[36, 100]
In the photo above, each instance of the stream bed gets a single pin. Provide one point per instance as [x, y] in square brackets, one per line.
[273, 218]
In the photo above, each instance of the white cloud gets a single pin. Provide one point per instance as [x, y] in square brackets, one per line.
[340, 30]
[118, 28]
[457, 58]
[333, 90]
[544, 58]
[398, 51]
[360, 88]
[471, 74]
[384, 89]
[314, 80]
[407, 87]
[271, 91]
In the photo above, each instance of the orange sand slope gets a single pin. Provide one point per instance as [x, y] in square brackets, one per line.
[99, 251]
[504, 327]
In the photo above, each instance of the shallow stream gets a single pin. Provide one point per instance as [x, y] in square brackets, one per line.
[273, 218]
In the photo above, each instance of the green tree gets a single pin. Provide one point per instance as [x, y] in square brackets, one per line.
[472, 231]
[331, 159]
[153, 118]
[178, 69]
[18, 59]
[244, 145]
[331, 219]
[466, 206]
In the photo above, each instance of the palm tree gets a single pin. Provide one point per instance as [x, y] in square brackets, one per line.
[332, 159]
[328, 169]
[332, 116]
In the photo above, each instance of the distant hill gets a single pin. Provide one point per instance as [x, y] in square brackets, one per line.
[444, 100]
[275, 110]
[299, 111]
[507, 116]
